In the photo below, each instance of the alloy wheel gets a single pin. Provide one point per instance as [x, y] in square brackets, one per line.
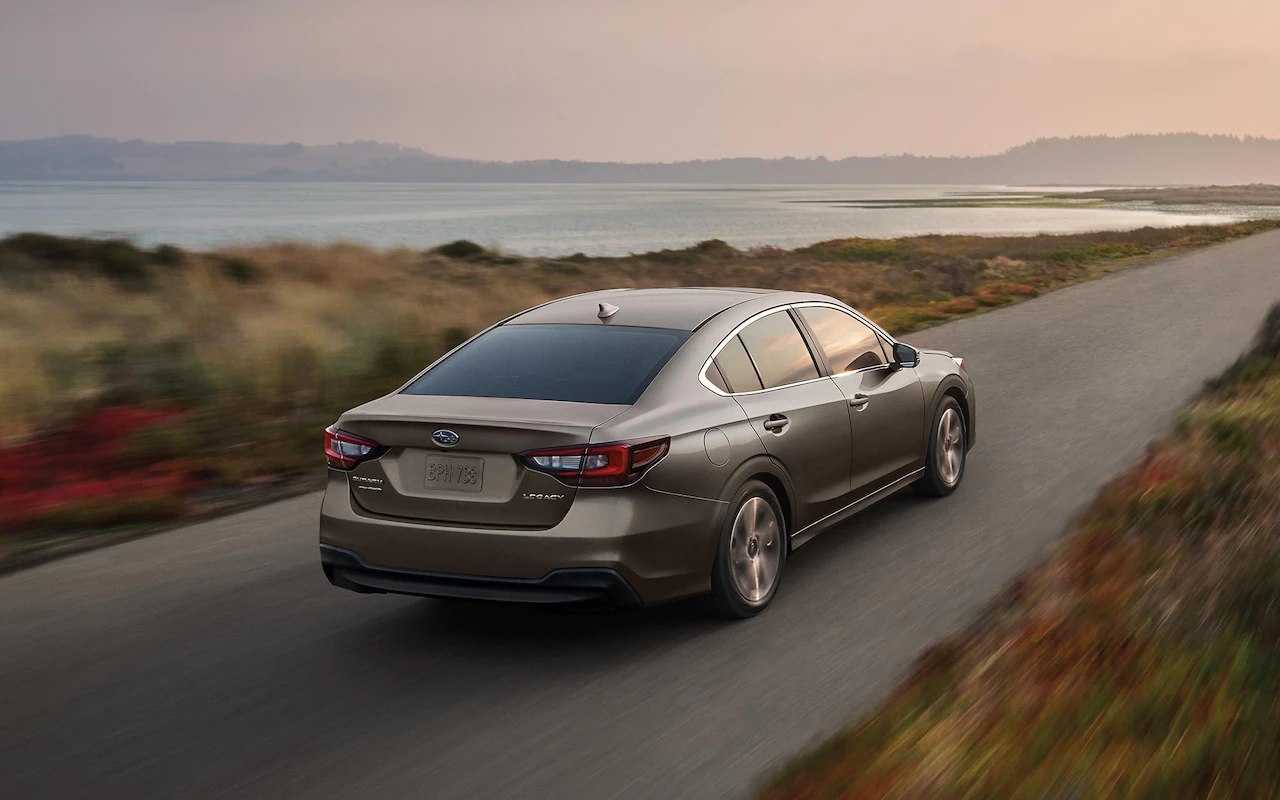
[950, 447]
[755, 549]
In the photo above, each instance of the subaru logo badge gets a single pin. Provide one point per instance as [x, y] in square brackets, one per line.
[445, 438]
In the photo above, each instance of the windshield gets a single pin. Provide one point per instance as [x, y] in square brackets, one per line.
[574, 363]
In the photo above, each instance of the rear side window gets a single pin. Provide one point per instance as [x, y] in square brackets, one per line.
[848, 343]
[778, 350]
[716, 379]
[736, 367]
[571, 363]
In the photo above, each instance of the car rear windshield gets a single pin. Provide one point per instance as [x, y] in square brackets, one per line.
[572, 363]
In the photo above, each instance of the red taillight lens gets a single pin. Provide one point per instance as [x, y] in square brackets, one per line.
[613, 464]
[344, 450]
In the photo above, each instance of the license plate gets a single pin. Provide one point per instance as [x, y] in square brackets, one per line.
[455, 473]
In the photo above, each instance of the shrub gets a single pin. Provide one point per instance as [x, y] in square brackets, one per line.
[877, 251]
[462, 249]
[120, 260]
[240, 270]
[715, 247]
[905, 320]
[452, 337]
[711, 248]
[150, 371]
[960, 305]
[124, 263]
[167, 255]
[18, 270]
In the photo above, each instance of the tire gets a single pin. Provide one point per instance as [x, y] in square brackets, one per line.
[948, 447]
[751, 555]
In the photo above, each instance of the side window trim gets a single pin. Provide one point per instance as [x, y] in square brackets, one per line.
[752, 359]
[811, 341]
[719, 374]
[725, 373]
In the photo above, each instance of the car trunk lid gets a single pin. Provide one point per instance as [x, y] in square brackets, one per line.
[477, 480]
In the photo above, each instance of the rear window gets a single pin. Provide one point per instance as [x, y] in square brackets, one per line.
[571, 363]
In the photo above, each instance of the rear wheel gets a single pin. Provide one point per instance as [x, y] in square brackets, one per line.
[948, 440]
[751, 555]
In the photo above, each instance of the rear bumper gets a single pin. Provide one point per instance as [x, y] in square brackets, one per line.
[579, 587]
[660, 546]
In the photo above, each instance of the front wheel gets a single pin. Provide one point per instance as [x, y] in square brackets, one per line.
[944, 465]
[751, 554]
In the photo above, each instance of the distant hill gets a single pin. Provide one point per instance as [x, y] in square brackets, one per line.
[92, 158]
[1164, 159]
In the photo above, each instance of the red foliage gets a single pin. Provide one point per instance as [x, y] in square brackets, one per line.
[1157, 470]
[74, 475]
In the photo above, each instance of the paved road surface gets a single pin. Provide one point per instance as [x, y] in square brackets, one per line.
[216, 661]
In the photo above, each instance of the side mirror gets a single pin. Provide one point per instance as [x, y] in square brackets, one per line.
[904, 355]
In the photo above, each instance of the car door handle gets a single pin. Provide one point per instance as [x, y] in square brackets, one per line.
[859, 401]
[775, 423]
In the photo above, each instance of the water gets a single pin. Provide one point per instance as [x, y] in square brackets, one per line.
[533, 219]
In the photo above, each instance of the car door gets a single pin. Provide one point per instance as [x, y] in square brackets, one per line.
[885, 404]
[801, 417]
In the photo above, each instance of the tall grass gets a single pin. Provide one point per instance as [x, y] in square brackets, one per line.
[253, 350]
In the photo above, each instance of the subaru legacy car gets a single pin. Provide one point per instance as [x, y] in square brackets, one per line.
[630, 447]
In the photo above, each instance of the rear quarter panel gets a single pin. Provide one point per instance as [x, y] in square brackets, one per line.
[710, 437]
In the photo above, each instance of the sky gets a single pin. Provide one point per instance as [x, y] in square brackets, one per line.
[639, 80]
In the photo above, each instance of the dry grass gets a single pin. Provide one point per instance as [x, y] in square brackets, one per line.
[256, 349]
[326, 300]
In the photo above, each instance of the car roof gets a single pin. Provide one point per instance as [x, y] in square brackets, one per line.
[683, 308]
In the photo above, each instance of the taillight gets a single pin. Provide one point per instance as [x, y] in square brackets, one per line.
[959, 362]
[345, 450]
[612, 464]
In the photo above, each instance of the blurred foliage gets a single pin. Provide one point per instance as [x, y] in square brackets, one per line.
[1141, 660]
[237, 359]
[461, 248]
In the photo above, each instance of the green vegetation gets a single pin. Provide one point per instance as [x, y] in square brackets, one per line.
[1139, 661]
[461, 248]
[1254, 194]
[155, 383]
[975, 200]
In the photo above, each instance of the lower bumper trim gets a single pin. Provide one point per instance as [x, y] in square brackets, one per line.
[585, 587]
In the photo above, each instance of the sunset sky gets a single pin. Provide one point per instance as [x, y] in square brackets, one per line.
[640, 80]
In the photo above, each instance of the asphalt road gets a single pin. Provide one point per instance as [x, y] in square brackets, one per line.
[216, 661]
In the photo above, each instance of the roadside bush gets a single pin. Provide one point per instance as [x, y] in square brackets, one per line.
[166, 371]
[18, 270]
[167, 255]
[452, 337]
[240, 270]
[960, 305]
[462, 249]
[120, 260]
[905, 320]
[710, 248]
[876, 251]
